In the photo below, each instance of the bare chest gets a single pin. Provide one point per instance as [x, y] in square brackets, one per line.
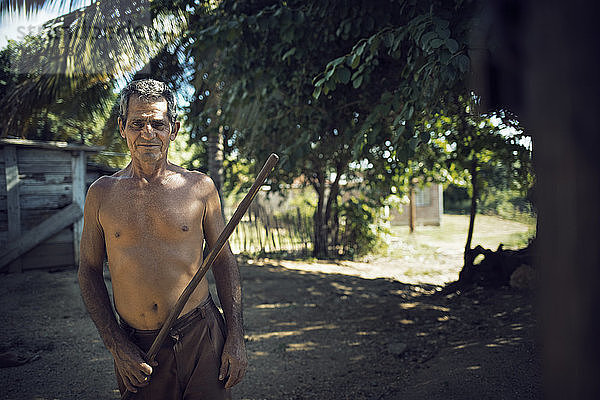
[166, 214]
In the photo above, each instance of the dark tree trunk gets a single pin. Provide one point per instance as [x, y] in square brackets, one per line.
[469, 257]
[319, 223]
[553, 46]
[215, 159]
[412, 208]
[563, 103]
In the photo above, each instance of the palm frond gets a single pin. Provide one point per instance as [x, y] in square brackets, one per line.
[96, 45]
[31, 6]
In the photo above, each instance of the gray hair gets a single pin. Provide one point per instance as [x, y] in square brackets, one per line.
[148, 90]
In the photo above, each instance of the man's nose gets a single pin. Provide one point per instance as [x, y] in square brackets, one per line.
[148, 132]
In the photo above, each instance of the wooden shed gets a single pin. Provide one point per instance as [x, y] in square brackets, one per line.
[42, 192]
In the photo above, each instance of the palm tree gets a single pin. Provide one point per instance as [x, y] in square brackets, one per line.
[62, 82]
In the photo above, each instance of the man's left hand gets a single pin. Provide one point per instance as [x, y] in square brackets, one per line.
[234, 360]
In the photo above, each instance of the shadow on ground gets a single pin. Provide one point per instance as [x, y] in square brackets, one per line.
[309, 335]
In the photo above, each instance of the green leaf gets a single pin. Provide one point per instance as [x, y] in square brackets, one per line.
[317, 92]
[464, 63]
[357, 82]
[452, 45]
[360, 49]
[426, 38]
[435, 43]
[355, 60]
[343, 75]
[289, 53]
[443, 33]
[329, 74]
[336, 62]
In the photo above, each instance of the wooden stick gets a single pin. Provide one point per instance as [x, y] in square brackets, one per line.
[209, 260]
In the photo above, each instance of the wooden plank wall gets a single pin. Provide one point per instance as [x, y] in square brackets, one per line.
[45, 185]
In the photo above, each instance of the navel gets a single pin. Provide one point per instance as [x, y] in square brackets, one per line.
[155, 307]
[185, 228]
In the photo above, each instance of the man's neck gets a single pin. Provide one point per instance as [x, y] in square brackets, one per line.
[148, 172]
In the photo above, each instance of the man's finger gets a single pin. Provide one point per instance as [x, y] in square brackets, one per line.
[146, 368]
[129, 385]
[224, 368]
[234, 373]
[140, 378]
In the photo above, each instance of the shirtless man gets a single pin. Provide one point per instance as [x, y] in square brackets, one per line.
[150, 219]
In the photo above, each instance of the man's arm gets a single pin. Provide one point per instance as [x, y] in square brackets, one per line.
[128, 357]
[234, 360]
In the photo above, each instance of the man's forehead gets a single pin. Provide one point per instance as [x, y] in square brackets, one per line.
[147, 107]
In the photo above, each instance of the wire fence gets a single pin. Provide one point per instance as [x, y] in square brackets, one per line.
[261, 231]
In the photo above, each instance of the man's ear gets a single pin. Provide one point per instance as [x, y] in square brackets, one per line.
[174, 129]
[121, 128]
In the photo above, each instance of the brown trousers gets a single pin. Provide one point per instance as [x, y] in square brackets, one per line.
[188, 361]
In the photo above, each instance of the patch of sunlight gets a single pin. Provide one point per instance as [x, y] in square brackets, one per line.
[408, 306]
[365, 333]
[259, 353]
[346, 289]
[306, 346]
[279, 334]
[94, 359]
[465, 345]
[444, 318]
[474, 367]
[315, 327]
[274, 305]
[359, 357]
[285, 323]
[406, 321]
[269, 335]
[283, 305]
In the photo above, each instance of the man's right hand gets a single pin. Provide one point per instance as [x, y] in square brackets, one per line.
[135, 371]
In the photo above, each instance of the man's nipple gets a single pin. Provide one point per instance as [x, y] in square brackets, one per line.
[117, 234]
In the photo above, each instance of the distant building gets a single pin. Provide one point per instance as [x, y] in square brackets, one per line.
[429, 207]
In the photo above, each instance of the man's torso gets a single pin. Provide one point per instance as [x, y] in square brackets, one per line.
[154, 237]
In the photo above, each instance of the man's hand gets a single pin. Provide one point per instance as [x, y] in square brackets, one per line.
[132, 366]
[234, 360]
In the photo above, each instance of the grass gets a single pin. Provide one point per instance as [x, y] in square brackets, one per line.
[489, 232]
[434, 253]
[431, 255]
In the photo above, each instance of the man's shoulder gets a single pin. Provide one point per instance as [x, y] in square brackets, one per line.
[103, 184]
[197, 178]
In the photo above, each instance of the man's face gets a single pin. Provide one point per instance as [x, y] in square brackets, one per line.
[148, 131]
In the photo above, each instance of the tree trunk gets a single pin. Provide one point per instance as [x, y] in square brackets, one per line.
[412, 208]
[563, 102]
[215, 159]
[319, 223]
[469, 257]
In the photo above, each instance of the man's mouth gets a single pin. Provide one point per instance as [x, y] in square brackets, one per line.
[148, 145]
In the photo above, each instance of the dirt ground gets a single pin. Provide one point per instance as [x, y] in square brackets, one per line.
[310, 335]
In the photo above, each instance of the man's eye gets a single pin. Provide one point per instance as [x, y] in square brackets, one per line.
[158, 125]
[137, 125]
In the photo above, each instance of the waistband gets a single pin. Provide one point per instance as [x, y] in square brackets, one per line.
[180, 323]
